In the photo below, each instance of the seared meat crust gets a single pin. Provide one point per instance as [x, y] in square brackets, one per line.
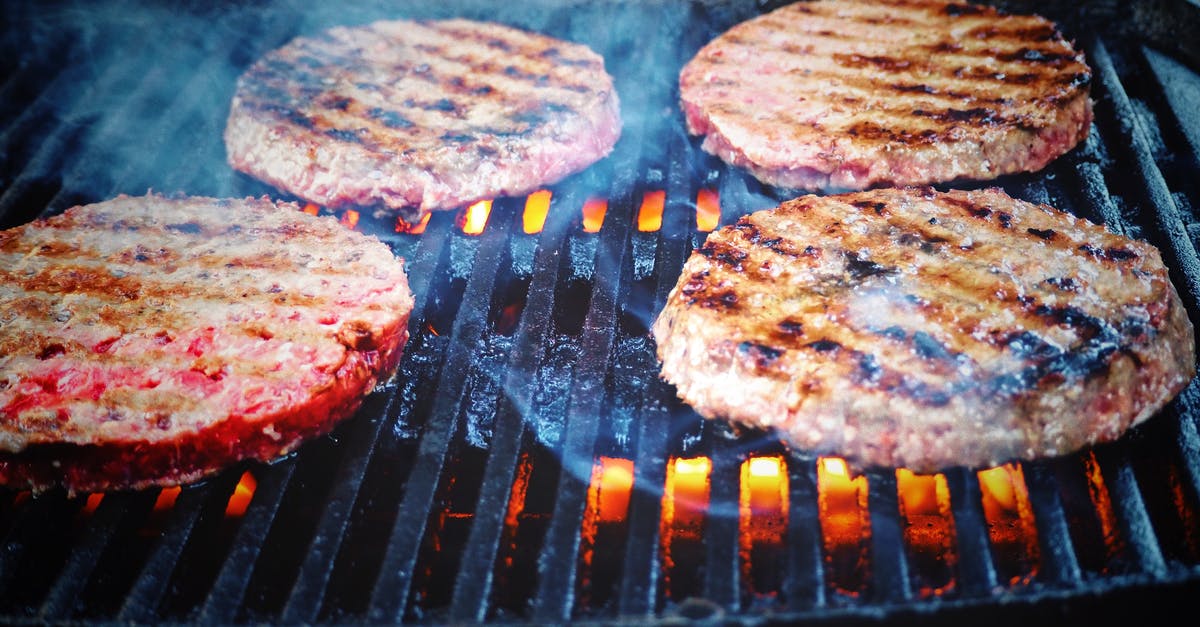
[413, 116]
[840, 95]
[153, 340]
[914, 328]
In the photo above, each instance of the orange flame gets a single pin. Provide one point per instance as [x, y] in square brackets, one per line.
[349, 218]
[537, 206]
[763, 516]
[476, 217]
[845, 524]
[516, 505]
[684, 502]
[1010, 520]
[166, 498]
[650, 215]
[708, 209]
[311, 209]
[593, 214]
[928, 529]
[1102, 503]
[241, 497]
[413, 229]
[613, 481]
[93, 501]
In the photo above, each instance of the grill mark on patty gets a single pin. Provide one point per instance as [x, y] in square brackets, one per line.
[369, 125]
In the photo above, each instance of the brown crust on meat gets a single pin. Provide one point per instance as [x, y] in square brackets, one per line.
[414, 116]
[153, 341]
[914, 328]
[850, 94]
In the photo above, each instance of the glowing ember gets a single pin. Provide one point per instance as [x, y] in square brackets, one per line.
[349, 218]
[1010, 521]
[928, 530]
[242, 494]
[311, 209]
[763, 516]
[537, 206]
[708, 210]
[1102, 504]
[681, 528]
[613, 488]
[432, 330]
[593, 214]
[476, 217]
[413, 229]
[93, 501]
[650, 216]
[845, 524]
[516, 505]
[166, 499]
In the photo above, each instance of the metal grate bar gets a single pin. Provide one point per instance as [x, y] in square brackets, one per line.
[1059, 564]
[147, 593]
[889, 564]
[804, 586]
[722, 576]
[225, 594]
[392, 587]
[472, 585]
[114, 509]
[1180, 256]
[1136, 526]
[976, 571]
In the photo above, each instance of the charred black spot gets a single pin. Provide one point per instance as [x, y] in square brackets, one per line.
[51, 350]
[877, 207]
[791, 327]
[1046, 234]
[929, 347]
[516, 72]
[824, 346]
[531, 118]
[482, 90]
[862, 267]
[1005, 219]
[894, 332]
[499, 44]
[443, 104]
[1036, 56]
[1028, 345]
[1111, 253]
[946, 47]
[812, 251]
[1067, 284]
[457, 138]
[1073, 317]
[340, 103]
[390, 119]
[913, 89]
[1078, 79]
[191, 228]
[963, 9]
[762, 356]
[350, 137]
[723, 255]
[869, 369]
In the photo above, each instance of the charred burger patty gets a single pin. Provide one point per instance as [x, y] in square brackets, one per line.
[849, 94]
[915, 328]
[414, 116]
[152, 341]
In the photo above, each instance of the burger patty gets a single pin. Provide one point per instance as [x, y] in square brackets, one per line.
[414, 116]
[841, 95]
[153, 340]
[915, 328]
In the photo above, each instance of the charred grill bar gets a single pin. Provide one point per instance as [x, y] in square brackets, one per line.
[527, 464]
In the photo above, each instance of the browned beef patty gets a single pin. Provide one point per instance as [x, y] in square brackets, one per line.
[849, 94]
[414, 116]
[915, 328]
[152, 341]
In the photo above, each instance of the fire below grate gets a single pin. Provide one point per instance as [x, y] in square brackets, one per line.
[526, 464]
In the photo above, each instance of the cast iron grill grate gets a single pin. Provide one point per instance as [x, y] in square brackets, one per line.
[527, 465]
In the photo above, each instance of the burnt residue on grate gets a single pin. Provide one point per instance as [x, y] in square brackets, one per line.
[526, 464]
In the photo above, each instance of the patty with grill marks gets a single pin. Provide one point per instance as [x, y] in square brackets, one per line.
[842, 95]
[414, 116]
[925, 329]
[154, 341]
